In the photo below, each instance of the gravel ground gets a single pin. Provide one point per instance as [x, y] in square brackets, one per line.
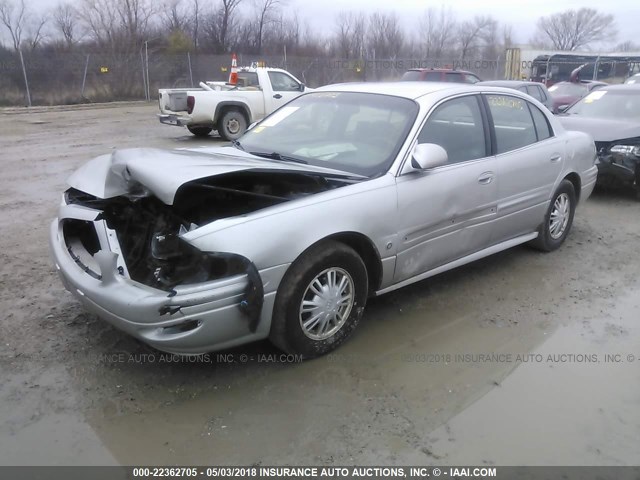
[521, 358]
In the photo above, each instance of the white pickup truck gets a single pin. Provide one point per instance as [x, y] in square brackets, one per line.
[227, 108]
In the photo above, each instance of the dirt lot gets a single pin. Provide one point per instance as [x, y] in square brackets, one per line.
[501, 362]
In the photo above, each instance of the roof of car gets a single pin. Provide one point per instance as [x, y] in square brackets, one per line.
[507, 83]
[634, 87]
[446, 70]
[410, 90]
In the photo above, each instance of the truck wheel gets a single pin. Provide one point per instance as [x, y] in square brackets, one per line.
[200, 131]
[320, 300]
[232, 125]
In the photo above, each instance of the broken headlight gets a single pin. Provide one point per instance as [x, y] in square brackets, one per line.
[626, 149]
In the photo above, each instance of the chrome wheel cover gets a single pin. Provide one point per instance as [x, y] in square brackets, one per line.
[559, 218]
[326, 303]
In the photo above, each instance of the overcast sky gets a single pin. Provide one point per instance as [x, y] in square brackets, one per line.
[521, 14]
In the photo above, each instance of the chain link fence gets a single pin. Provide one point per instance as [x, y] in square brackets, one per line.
[69, 78]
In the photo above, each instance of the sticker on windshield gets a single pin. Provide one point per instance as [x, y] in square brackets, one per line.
[597, 95]
[277, 117]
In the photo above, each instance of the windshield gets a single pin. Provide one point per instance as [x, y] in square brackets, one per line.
[615, 104]
[572, 89]
[358, 133]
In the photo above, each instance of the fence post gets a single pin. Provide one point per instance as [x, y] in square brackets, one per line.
[84, 78]
[190, 71]
[146, 54]
[144, 78]
[24, 72]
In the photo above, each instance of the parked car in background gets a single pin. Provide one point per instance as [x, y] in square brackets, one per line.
[348, 192]
[536, 90]
[611, 115]
[633, 79]
[227, 108]
[565, 94]
[439, 75]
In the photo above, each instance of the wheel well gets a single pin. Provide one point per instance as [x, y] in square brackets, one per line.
[367, 251]
[574, 178]
[225, 107]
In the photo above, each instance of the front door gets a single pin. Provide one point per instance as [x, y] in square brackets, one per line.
[446, 213]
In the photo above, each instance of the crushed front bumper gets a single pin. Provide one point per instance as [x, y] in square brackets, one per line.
[191, 319]
[618, 170]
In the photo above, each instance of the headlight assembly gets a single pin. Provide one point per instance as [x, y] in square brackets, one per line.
[626, 149]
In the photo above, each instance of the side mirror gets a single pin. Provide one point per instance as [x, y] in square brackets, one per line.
[301, 87]
[428, 155]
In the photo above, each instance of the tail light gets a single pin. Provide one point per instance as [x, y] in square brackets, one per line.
[191, 101]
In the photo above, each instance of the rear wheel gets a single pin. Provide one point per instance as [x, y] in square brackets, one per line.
[320, 300]
[200, 131]
[232, 125]
[558, 220]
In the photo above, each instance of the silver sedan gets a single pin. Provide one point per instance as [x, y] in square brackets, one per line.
[345, 193]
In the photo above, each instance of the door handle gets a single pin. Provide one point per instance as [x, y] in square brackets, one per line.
[278, 96]
[486, 178]
[555, 158]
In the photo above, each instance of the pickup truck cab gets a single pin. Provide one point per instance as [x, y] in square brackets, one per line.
[229, 108]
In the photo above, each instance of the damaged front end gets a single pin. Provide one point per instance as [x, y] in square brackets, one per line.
[619, 163]
[124, 256]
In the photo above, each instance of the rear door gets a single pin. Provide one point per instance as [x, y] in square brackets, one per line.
[445, 213]
[529, 160]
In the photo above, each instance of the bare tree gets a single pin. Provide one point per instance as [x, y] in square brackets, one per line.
[195, 23]
[385, 39]
[507, 36]
[266, 13]
[350, 34]
[472, 33]
[24, 29]
[437, 28]
[120, 24]
[219, 25]
[174, 16]
[574, 29]
[65, 21]
[627, 46]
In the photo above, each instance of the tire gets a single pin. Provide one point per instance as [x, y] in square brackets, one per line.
[562, 208]
[200, 131]
[335, 322]
[232, 125]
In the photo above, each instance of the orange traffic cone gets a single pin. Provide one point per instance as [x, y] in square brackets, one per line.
[233, 76]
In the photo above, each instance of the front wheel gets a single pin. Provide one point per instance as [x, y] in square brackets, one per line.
[320, 300]
[200, 131]
[232, 125]
[558, 220]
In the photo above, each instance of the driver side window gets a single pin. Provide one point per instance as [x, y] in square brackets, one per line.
[281, 82]
[457, 126]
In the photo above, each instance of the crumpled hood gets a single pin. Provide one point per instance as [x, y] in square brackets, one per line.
[163, 172]
[602, 130]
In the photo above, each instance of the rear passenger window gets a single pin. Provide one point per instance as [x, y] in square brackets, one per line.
[543, 96]
[534, 92]
[512, 121]
[543, 130]
[456, 126]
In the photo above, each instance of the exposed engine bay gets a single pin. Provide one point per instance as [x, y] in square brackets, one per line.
[149, 231]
